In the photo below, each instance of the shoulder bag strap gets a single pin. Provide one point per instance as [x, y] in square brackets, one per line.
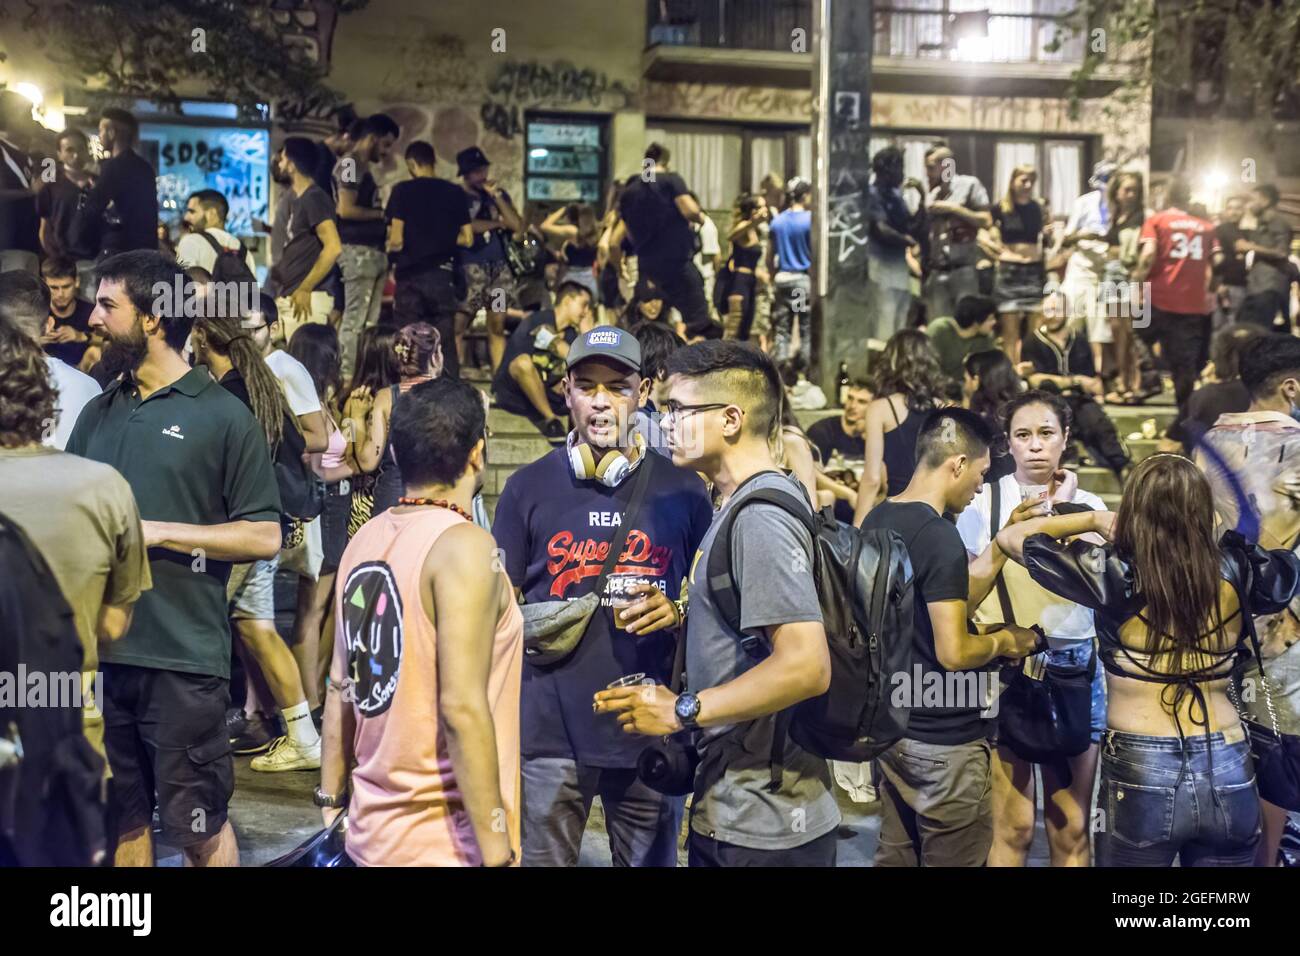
[995, 515]
[640, 481]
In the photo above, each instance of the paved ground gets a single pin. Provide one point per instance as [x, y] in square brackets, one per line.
[273, 813]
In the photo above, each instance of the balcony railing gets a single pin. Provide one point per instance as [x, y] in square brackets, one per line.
[727, 24]
[970, 31]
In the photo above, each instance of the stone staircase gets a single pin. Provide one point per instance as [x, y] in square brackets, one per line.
[515, 442]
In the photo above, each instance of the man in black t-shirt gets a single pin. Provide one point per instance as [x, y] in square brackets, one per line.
[57, 202]
[428, 219]
[844, 435]
[311, 245]
[656, 212]
[554, 525]
[120, 213]
[68, 331]
[530, 379]
[360, 213]
[936, 791]
[1230, 274]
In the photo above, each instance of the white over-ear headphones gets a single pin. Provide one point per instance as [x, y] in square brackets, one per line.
[611, 468]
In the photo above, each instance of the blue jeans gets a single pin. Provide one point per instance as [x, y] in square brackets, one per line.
[1160, 802]
[793, 303]
[642, 824]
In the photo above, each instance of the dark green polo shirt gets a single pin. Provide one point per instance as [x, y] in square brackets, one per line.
[191, 453]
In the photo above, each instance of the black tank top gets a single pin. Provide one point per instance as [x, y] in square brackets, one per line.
[900, 449]
[746, 257]
[579, 257]
[1022, 224]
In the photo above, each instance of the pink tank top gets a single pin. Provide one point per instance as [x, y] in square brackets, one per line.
[406, 807]
[332, 456]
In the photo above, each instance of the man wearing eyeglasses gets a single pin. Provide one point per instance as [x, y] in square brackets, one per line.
[555, 523]
[758, 801]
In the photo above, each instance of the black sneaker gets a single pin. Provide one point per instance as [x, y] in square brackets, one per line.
[256, 736]
[555, 431]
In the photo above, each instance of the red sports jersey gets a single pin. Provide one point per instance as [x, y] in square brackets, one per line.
[1185, 246]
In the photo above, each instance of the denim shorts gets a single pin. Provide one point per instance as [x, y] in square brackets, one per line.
[254, 596]
[1077, 656]
[1159, 801]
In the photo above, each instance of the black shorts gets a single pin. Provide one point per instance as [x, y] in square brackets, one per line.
[334, 524]
[165, 733]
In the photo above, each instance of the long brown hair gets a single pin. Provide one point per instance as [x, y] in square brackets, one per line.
[1118, 219]
[377, 366]
[1165, 529]
[224, 336]
[908, 366]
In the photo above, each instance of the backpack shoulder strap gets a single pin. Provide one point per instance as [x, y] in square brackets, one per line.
[720, 570]
[221, 250]
[217, 247]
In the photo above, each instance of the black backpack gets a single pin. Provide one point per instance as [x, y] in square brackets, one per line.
[231, 264]
[51, 778]
[864, 586]
[302, 491]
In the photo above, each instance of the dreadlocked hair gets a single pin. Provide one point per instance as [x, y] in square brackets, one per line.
[225, 337]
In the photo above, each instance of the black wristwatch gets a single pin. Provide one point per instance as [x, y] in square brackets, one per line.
[687, 709]
[334, 801]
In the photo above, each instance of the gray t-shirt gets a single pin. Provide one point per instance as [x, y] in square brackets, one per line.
[772, 557]
[302, 245]
[952, 239]
[1268, 275]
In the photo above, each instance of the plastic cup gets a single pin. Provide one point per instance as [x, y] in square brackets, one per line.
[628, 680]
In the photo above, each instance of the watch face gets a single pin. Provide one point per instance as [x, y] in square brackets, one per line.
[687, 706]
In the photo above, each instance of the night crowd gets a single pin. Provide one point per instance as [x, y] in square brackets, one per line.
[647, 616]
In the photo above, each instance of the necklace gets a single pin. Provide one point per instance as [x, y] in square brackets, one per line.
[440, 503]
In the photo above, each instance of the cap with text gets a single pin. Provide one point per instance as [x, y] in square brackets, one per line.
[607, 342]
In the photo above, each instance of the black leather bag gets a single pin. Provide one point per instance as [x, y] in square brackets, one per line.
[1277, 755]
[1045, 709]
[668, 765]
[323, 849]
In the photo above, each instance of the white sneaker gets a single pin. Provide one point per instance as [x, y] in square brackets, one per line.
[287, 755]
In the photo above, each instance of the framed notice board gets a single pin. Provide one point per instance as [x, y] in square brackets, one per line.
[566, 159]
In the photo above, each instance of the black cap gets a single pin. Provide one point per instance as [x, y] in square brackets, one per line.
[468, 160]
[606, 341]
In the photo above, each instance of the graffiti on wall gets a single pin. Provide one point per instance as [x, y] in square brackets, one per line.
[1017, 114]
[557, 84]
[718, 101]
[231, 160]
[518, 85]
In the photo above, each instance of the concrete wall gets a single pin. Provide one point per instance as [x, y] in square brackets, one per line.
[447, 76]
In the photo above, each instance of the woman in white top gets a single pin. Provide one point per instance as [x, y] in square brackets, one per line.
[1038, 428]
